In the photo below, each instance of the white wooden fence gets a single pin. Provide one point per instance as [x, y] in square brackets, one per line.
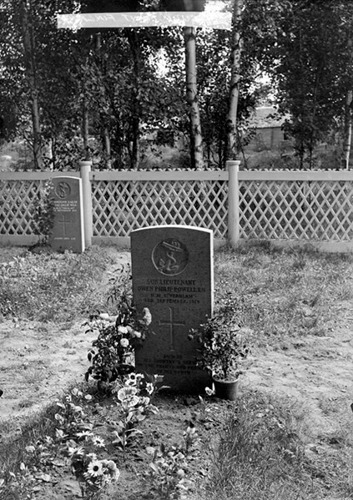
[281, 206]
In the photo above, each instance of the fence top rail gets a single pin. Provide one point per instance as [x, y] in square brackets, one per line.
[35, 176]
[187, 175]
[298, 175]
[162, 175]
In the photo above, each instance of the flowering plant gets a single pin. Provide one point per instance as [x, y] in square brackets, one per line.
[112, 355]
[134, 400]
[92, 474]
[222, 345]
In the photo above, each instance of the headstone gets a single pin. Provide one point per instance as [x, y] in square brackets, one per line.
[172, 275]
[68, 232]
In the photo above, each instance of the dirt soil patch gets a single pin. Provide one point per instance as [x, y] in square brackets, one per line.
[39, 361]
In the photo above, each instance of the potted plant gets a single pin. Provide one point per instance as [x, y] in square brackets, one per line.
[222, 351]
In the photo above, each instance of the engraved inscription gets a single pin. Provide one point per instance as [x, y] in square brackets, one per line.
[170, 257]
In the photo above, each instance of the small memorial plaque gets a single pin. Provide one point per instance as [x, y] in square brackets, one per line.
[172, 274]
[68, 232]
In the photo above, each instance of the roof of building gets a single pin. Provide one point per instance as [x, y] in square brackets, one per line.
[267, 117]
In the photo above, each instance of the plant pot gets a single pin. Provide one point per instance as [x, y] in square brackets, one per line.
[226, 389]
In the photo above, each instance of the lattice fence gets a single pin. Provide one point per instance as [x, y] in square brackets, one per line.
[16, 198]
[296, 210]
[309, 206]
[120, 206]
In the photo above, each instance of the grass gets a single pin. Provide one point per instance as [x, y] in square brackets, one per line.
[262, 449]
[284, 294]
[53, 287]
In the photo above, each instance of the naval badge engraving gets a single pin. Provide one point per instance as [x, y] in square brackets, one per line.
[170, 257]
[63, 189]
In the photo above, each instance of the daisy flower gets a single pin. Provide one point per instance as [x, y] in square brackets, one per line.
[98, 441]
[95, 468]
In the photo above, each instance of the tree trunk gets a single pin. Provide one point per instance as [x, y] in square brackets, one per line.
[347, 141]
[85, 128]
[107, 147]
[30, 66]
[136, 113]
[196, 149]
[236, 47]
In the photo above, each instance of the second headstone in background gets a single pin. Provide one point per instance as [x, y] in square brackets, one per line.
[68, 231]
[172, 274]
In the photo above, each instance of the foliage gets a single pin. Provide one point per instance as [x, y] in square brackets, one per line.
[42, 213]
[170, 465]
[112, 355]
[222, 346]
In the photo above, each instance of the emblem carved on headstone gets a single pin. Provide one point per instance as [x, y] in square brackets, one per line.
[170, 257]
[63, 190]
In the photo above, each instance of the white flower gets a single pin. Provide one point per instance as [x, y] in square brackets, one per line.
[95, 468]
[127, 397]
[136, 334]
[84, 434]
[209, 392]
[74, 450]
[149, 388]
[98, 441]
[124, 343]
[147, 316]
[112, 469]
[122, 329]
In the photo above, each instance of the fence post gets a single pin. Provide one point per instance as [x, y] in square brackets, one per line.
[85, 168]
[233, 202]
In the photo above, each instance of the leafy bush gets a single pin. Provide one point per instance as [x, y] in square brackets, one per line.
[42, 213]
[222, 345]
[112, 355]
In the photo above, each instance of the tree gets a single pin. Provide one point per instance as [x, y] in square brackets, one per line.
[236, 49]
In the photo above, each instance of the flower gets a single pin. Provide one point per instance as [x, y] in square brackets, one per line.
[75, 450]
[124, 343]
[123, 329]
[147, 316]
[149, 388]
[98, 441]
[84, 434]
[209, 391]
[111, 468]
[95, 468]
[128, 397]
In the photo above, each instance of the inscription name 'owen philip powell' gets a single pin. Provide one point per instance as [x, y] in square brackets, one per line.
[179, 292]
